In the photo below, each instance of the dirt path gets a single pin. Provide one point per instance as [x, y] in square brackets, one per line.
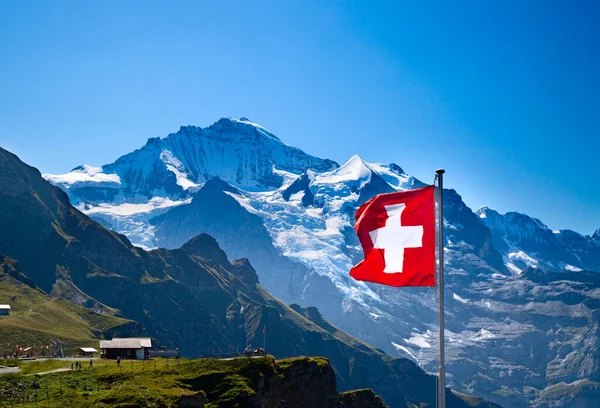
[57, 370]
[9, 370]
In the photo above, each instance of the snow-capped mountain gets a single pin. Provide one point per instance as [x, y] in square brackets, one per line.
[239, 151]
[511, 334]
[525, 241]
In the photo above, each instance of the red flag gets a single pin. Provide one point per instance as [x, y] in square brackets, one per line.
[397, 234]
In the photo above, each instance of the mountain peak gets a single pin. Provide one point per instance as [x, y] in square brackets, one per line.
[205, 246]
[238, 151]
[485, 212]
[596, 235]
[217, 184]
[244, 125]
[354, 169]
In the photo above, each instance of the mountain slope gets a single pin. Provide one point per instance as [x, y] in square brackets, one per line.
[239, 151]
[191, 297]
[310, 245]
[36, 317]
[525, 241]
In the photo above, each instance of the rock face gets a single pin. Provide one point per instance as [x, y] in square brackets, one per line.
[302, 382]
[298, 233]
[361, 399]
[292, 383]
[242, 152]
[192, 298]
[525, 241]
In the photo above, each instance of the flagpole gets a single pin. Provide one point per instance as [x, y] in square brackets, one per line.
[442, 373]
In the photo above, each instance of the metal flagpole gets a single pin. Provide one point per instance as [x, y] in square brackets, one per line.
[442, 373]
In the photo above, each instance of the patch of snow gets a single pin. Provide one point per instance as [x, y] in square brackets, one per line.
[353, 169]
[127, 209]
[513, 268]
[297, 196]
[393, 175]
[483, 335]
[404, 349]
[84, 175]
[523, 257]
[419, 340]
[175, 166]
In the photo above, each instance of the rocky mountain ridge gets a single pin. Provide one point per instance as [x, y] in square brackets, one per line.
[525, 241]
[236, 150]
[192, 297]
[300, 237]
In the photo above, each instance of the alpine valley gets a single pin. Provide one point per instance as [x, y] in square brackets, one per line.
[522, 305]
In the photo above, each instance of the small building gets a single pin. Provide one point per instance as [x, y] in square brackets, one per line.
[4, 310]
[86, 351]
[135, 348]
[164, 353]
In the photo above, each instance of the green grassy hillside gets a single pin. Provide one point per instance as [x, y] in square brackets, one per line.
[192, 298]
[240, 382]
[35, 317]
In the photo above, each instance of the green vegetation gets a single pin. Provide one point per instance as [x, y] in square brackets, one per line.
[159, 383]
[286, 363]
[34, 367]
[36, 318]
[10, 362]
[29, 367]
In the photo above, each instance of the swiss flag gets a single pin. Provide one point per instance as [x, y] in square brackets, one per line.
[397, 234]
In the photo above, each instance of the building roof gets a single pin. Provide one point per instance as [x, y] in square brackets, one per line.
[129, 343]
[87, 349]
[145, 341]
[4, 307]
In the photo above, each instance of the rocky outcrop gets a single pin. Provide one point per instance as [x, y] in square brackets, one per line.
[300, 382]
[192, 298]
[364, 398]
[266, 383]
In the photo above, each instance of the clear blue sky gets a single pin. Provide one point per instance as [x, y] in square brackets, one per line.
[503, 94]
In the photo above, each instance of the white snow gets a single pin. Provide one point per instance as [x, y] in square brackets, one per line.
[483, 334]
[127, 209]
[513, 268]
[84, 175]
[404, 349]
[459, 299]
[354, 169]
[393, 177]
[523, 257]
[572, 268]
[420, 340]
[175, 166]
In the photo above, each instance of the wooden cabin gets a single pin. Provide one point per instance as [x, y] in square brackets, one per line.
[136, 348]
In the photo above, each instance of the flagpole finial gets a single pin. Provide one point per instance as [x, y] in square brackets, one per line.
[440, 171]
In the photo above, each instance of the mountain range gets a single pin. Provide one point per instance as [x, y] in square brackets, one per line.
[192, 297]
[522, 304]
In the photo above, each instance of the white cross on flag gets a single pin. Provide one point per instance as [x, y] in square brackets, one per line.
[397, 234]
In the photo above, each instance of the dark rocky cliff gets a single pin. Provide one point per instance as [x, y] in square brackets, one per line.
[192, 298]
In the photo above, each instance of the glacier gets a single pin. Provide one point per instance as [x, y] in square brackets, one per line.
[510, 325]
